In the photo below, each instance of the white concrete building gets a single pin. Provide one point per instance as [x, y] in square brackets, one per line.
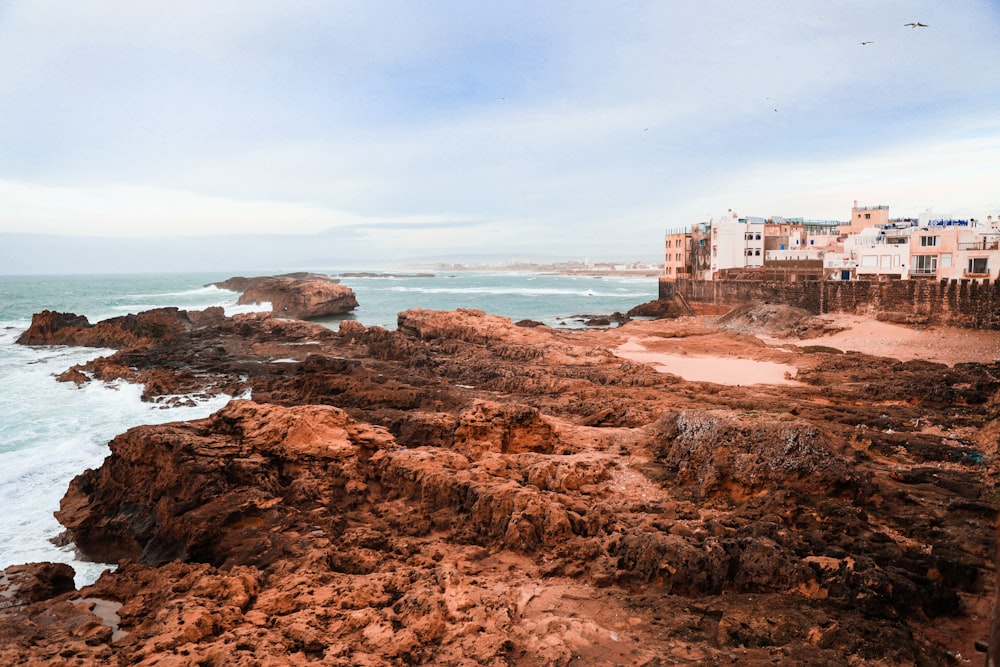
[737, 242]
[871, 247]
[879, 252]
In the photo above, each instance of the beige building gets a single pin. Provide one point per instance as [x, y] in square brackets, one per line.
[677, 254]
[954, 251]
[866, 216]
[871, 247]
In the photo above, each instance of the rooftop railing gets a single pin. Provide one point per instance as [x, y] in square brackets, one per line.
[980, 245]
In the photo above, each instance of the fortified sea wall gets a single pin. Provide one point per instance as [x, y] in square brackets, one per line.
[964, 303]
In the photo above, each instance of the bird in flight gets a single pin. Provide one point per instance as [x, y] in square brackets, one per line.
[916, 24]
[866, 43]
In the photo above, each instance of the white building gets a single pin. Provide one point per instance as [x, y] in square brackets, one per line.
[871, 247]
[879, 252]
[737, 242]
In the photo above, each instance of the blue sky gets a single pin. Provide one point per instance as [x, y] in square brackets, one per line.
[395, 130]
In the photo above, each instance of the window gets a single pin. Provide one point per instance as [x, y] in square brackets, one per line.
[869, 260]
[868, 216]
[930, 241]
[924, 264]
[945, 260]
[757, 252]
[978, 265]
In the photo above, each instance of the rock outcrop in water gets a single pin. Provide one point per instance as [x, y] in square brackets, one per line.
[301, 296]
[465, 491]
[128, 331]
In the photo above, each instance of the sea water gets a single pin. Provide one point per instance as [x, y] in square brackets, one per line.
[51, 431]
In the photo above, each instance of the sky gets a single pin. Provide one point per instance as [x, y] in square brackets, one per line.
[194, 136]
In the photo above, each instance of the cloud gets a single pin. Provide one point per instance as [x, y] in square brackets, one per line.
[578, 125]
[956, 175]
[142, 211]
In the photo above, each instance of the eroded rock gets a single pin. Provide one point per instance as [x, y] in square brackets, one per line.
[301, 296]
[465, 490]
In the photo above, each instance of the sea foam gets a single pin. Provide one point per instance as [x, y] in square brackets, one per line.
[50, 432]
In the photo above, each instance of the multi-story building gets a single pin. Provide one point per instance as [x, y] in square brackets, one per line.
[737, 242]
[870, 247]
[701, 251]
[877, 253]
[954, 249]
[822, 234]
[677, 254]
[863, 217]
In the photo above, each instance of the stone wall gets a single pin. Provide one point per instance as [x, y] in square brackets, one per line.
[965, 303]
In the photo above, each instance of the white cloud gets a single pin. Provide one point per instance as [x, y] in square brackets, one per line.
[956, 176]
[143, 211]
[547, 123]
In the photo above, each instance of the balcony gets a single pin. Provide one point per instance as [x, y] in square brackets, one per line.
[923, 272]
[980, 245]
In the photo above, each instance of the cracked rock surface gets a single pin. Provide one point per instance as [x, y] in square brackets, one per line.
[465, 491]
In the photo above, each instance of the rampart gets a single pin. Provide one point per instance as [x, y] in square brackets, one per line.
[964, 303]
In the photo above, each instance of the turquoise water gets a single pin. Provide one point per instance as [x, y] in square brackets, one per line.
[553, 299]
[52, 431]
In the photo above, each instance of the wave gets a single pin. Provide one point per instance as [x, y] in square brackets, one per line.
[50, 433]
[207, 290]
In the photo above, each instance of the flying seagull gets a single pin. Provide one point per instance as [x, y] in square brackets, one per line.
[866, 43]
[916, 24]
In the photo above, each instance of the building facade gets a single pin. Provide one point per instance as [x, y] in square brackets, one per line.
[870, 247]
[677, 254]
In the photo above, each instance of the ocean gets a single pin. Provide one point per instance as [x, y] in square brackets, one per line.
[51, 431]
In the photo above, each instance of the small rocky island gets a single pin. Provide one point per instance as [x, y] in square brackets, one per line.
[466, 491]
[299, 296]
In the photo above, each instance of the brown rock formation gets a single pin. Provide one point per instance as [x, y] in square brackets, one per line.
[301, 296]
[661, 308]
[52, 328]
[467, 491]
[242, 283]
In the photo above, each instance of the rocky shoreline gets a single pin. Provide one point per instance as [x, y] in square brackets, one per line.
[466, 491]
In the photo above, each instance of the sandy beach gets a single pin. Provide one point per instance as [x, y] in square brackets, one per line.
[755, 357]
[946, 345]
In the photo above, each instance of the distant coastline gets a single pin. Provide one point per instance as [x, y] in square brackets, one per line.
[595, 269]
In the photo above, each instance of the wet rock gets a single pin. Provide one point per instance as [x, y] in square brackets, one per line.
[466, 489]
[300, 299]
[21, 585]
[128, 331]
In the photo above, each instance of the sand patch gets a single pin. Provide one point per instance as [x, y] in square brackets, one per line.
[705, 368]
[946, 345]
